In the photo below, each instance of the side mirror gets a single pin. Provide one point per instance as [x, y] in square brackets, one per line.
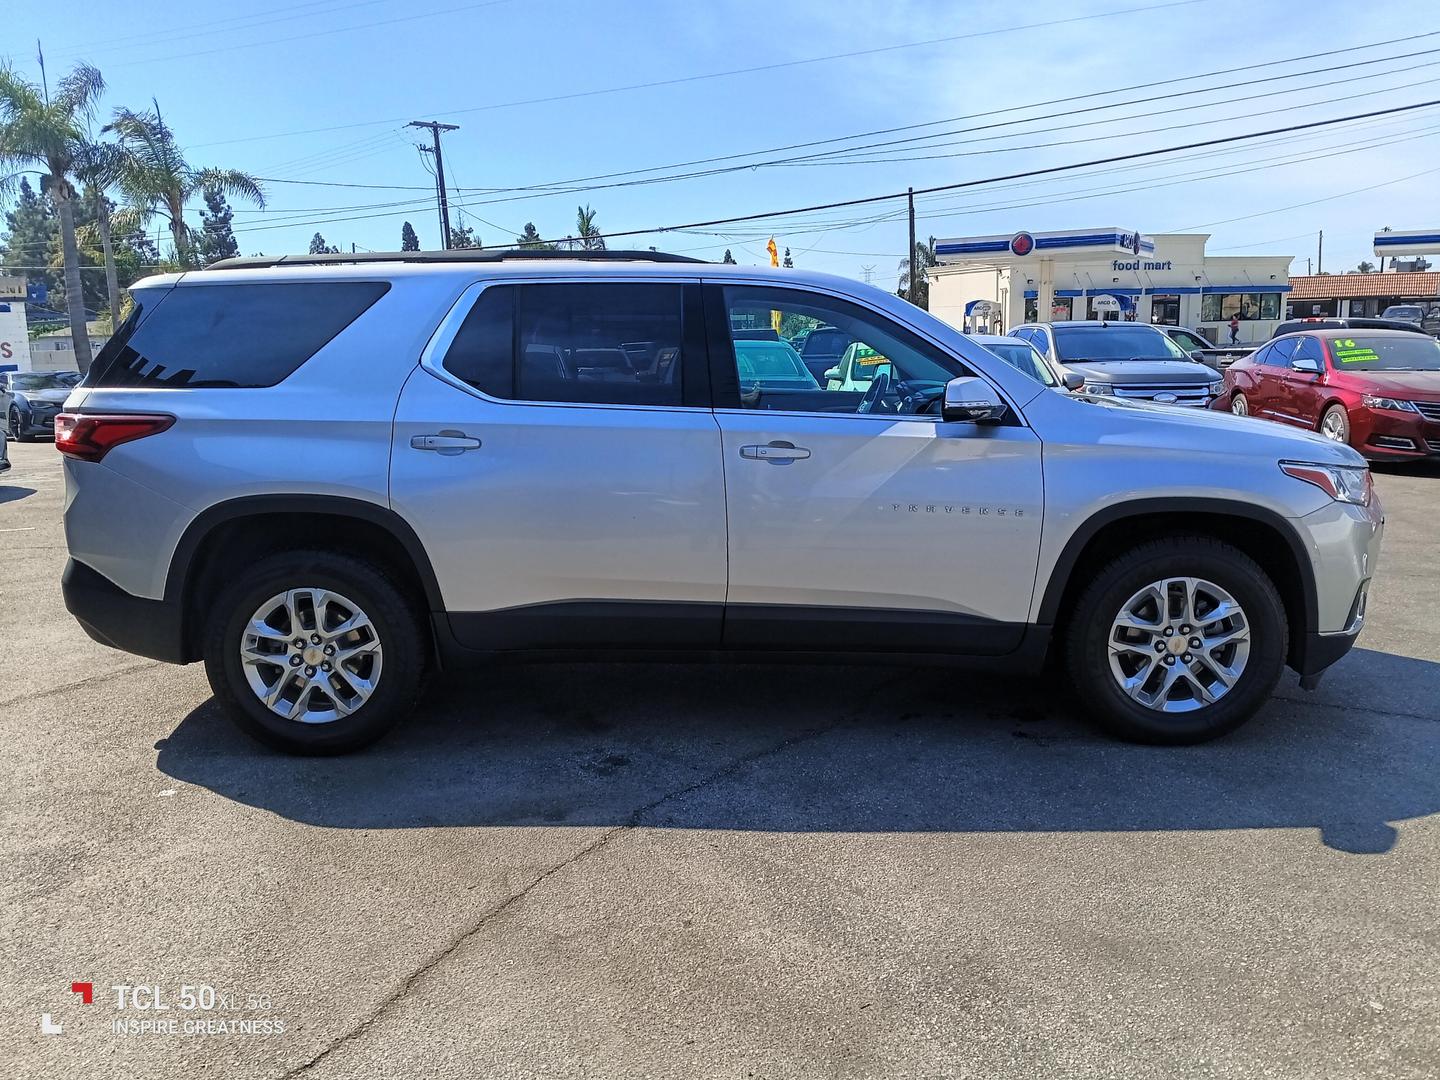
[969, 400]
[1307, 364]
[1197, 355]
[1073, 380]
[832, 373]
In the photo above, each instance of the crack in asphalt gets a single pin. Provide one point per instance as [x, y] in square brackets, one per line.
[1369, 709]
[53, 690]
[459, 940]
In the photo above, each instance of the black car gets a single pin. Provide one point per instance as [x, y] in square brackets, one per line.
[1193, 341]
[1343, 322]
[29, 401]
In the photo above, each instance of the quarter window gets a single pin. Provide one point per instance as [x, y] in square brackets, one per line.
[229, 335]
[1281, 352]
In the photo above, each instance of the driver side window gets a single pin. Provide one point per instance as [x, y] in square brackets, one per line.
[797, 351]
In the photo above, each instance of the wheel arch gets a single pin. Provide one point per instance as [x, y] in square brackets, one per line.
[254, 526]
[1259, 532]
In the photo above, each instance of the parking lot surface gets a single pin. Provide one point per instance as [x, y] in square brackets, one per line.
[749, 871]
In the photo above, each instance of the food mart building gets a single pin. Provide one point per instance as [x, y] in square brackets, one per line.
[994, 283]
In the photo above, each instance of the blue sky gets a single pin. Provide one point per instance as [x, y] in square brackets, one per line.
[236, 81]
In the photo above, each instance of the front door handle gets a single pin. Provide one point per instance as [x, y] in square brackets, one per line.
[445, 442]
[777, 453]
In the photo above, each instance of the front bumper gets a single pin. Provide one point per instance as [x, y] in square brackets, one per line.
[1387, 435]
[1344, 542]
[115, 618]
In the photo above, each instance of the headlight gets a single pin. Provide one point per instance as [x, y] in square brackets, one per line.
[1343, 483]
[1370, 401]
[1097, 388]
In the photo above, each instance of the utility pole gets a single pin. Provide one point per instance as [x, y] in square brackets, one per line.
[868, 272]
[444, 205]
[910, 252]
[1320, 254]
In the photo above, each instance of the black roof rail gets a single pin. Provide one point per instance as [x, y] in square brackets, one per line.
[464, 255]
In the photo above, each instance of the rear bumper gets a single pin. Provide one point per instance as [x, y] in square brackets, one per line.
[115, 618]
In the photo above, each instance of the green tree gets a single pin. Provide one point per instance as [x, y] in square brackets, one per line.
[408, 240]
[787, 261]
[49, 133]
[587, 231]
[31, 228]
[217, 237]
[1366, 267]
[98, 170]
[319, 247]
[728, 259]
[156, 180]
[530, 239]
[463, 237]
[923, 259]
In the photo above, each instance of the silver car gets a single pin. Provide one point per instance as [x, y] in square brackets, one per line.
[325, 475]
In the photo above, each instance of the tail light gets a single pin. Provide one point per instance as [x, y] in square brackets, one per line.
[90, 436]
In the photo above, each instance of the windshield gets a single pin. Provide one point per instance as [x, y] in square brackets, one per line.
[1404, 312]
[1022, 357]
[773, 363]
[1404, 352]
[49, 380]
[1115, 342]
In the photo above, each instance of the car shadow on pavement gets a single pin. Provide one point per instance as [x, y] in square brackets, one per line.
[11, 493]
[814, 749]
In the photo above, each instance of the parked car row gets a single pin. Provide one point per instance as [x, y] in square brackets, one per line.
[1369, 383]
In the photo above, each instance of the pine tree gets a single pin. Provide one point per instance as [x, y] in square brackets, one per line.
[530, 238]
[217, 239]
[788, 261]
[729, 259]
[408, 240]
[31, 229]
[463, 237]
[319, 247]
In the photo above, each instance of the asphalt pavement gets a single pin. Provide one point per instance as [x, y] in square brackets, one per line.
[745, 871]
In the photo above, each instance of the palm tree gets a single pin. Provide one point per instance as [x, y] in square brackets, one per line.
[38, 130]
[155, 178]
[587, 230]
[924, 259]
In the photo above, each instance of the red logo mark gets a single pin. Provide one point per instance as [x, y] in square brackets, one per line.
[1022, 243]
[85, 990]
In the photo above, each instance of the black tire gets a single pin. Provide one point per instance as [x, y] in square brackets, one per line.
[393, 613]
[1091, 618]
[1341, 417]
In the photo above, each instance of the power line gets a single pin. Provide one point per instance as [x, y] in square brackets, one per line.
[948, 120]
[1138, 155]
[738, 71]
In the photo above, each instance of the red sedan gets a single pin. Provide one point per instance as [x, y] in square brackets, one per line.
[1378, 390]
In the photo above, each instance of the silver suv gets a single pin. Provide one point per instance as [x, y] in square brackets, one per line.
[327, 476]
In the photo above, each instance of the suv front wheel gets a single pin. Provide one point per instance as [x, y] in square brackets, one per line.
[1177, 641]
[315, 653]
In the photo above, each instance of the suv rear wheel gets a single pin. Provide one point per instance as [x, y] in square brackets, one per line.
[315, 653]
[1177, 641]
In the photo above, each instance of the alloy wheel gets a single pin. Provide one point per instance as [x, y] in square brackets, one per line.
[1333, 426]
[1179, 644]
[1239, 406]
[311, 655]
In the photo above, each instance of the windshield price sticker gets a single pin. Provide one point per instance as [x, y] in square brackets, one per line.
[1347, 352]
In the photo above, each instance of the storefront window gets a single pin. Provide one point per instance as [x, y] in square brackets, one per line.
[1062, 310]
[1222, 307]
[1031, 310]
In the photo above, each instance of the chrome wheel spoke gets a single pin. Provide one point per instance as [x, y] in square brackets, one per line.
[1179, 644]
[328, 655]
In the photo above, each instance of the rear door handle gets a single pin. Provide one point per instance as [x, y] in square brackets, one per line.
[777, 453]
[445, 442]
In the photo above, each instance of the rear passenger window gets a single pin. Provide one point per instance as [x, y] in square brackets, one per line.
[580, 342]
[233, 335]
